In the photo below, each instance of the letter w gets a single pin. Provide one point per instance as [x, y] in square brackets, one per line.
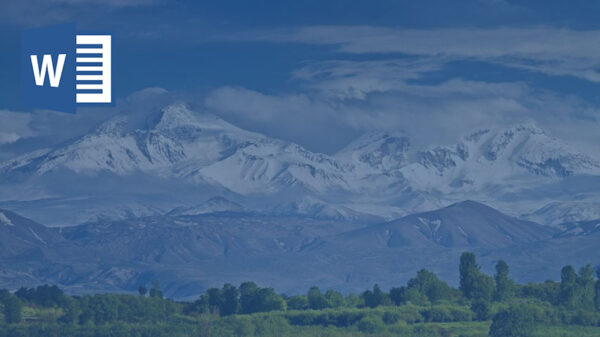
[47, 66]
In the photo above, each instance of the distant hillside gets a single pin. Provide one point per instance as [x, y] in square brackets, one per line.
[188, 253]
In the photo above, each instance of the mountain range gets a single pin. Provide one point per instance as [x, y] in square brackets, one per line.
[193, 201]
[189, 253]
[150, 164]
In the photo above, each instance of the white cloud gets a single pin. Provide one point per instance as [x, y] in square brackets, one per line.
[14, 126]
[547, 50]
[430, 114]
[299, 117]
[356, 79]
[8, 137]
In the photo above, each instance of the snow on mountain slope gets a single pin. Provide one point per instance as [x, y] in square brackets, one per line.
[315, 208]
[378, 150]
[195, 147]
[179, 135]
[466, 224]
[508, 159]
[186, 155]
[557, 212]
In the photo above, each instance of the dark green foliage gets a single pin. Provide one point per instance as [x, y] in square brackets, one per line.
[248, 297]
[390, 317]
[473, 283]
[468, 270]
[375, 298]
[297, 303]
[255, 299]
[71, 311]
[155, 290]
[46, 296]
[504, 286]
[269, 300]
[12, 307]
[316, 299]
[334, 298]
[547, 291]
[405, 295]
[142, 291]
[214, 299]
[199, 306]
[428, 284]
[338, 318]
[585, 288]
[426, 306]
[229, 300]
[567, 287]
[516, 321]
[586, 318]
[597, 291]
[370, 324]
[481, 309]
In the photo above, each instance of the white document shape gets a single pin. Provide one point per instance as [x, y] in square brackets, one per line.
[87, 60]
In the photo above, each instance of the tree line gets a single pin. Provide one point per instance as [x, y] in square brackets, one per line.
[513, 309]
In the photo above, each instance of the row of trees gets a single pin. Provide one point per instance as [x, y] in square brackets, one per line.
[575, 299]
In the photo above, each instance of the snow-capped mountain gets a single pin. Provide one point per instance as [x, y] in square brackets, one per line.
[378, 150]
[141, 165]
[195, 147]
[524, 154]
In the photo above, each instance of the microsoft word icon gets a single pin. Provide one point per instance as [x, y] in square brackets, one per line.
[61, 69]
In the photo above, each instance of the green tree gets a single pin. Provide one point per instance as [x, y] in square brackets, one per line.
[370, 324]
[155, 290]
[45, 295]
[297, 303]
[585, 288]
[428, 284]
[71, 311]
[504, 286]
[568, 287]
[248, 297]
[469, 272]
[199, 306]
[316, 299]
[597, 291]
[473, 283]
[12, 308]
[481, 308]
[516, 321]
[230, 300]
[142, 291]
[214, 299]
[255, 299]
[269, 300]
[334, 298]
[375, 298]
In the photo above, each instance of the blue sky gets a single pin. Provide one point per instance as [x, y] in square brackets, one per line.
[320, 73]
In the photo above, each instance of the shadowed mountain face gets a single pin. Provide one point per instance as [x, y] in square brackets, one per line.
[19, 235]
[188, 253]
[465, 225]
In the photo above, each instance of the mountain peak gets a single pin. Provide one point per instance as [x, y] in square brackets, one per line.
[176, 115]
[378, 149]
[469, 204]
[4, 220]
